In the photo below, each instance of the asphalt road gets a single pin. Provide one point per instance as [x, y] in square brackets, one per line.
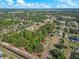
[9, 53]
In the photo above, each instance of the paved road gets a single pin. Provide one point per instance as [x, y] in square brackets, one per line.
[17, 51]
[9, 53]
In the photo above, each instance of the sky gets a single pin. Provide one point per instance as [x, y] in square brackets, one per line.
[39, 3]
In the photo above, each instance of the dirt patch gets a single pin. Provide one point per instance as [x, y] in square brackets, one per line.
[68, 50]
[48, 44]
[55, 40]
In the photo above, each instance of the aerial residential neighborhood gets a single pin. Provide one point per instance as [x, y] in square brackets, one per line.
[39, 29]
[39, 34]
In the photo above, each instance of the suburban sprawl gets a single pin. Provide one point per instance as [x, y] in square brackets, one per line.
[39, 34]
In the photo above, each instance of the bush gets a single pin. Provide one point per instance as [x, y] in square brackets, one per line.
[4, 55]
[56, 54]
[38, 48]
[65, 46]
[74, 55]
[11, 57]
[59, 45]
[71, 46]
[62, 40]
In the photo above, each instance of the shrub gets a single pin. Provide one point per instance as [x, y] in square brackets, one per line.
[59, 45]
[38, 48]
[57, 54]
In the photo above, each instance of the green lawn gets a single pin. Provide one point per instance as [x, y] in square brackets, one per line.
[74, 43]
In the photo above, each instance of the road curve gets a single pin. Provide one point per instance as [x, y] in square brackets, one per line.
[26, 55]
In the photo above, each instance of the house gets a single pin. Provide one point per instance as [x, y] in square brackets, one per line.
[74, 39]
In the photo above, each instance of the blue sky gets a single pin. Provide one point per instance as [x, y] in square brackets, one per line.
[39, 3]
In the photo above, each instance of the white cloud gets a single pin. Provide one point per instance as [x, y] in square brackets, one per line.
[67, 4]
[37, 5]
[21, 2]
[9, 1]
[2, 4]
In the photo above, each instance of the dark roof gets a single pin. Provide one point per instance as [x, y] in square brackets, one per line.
[75, 39]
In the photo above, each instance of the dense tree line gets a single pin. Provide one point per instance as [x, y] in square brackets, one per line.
[29, 40]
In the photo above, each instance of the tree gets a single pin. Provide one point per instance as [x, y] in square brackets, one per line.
[57, 54]
[11, 57]
[74, 55]
[59, 45]
[62, 40]
[38, 48]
